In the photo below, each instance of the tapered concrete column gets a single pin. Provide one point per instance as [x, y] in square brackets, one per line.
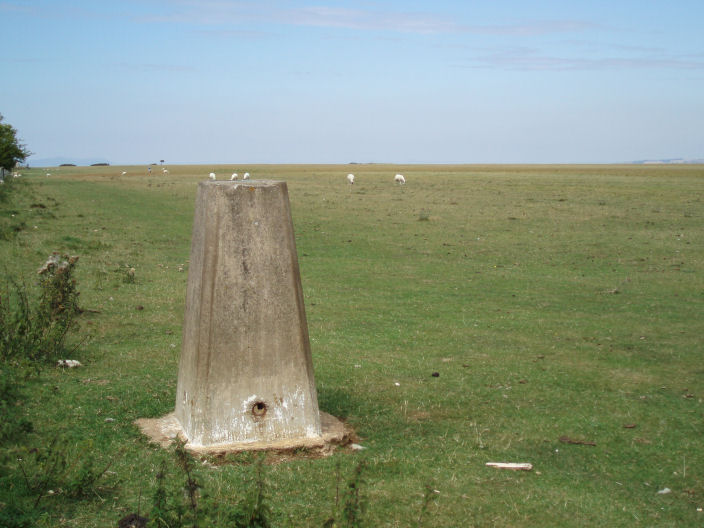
[246, 373]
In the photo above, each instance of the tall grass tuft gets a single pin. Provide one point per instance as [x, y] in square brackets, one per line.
[354, 505]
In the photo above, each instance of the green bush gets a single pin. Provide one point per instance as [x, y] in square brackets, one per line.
[31, 334]
[35, 332]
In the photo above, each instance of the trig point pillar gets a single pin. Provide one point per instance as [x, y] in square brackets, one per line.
[246, 375]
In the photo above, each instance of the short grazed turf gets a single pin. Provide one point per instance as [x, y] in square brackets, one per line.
[553, 302]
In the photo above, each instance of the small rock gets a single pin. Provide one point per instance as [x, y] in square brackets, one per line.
[109, 420]
[435, 374]
[357, 447]
[664, 491]
[397, 383]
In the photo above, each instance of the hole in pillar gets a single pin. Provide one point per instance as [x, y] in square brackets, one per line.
[259, 409]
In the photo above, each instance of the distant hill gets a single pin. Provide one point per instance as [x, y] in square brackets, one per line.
[670, 161]
[60, 160]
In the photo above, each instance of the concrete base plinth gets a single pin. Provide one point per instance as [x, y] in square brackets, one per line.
[165, 430]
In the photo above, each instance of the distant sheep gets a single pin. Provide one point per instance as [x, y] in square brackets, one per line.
[165, 171]
[124, 172]
[245, 176]
[234, 176]
[400, 179]
[350, 179]
[212, 176]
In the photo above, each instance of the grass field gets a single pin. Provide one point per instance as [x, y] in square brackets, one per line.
[560, 305]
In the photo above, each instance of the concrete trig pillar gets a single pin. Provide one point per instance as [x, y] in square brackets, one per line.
[245, 377]
[246, 373]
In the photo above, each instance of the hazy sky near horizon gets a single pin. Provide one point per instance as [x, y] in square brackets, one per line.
[326, 81]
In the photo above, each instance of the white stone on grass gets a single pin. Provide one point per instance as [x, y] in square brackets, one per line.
[70, 363]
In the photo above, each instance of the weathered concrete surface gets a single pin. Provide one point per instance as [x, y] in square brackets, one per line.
[246, 373]
[166, 429]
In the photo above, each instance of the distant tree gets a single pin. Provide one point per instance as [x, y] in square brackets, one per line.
[11, 150]
[161, 161]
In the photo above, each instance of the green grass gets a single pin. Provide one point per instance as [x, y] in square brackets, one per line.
[552, 301]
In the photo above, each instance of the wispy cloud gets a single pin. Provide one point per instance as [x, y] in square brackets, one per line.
[17, 8]
[27, 60]
[365, 20]
[533, 60]
[533, 29]
[218, 13]
[155, 68]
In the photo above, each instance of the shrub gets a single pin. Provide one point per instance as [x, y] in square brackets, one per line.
[31, 333]
[59, 300]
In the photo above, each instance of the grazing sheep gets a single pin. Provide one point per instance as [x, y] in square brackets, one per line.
[350, 179]
[234, 176]
[212, 176]
[245, 176]
[165, 171]
[400, 179]
[124, 172]
[48, 174]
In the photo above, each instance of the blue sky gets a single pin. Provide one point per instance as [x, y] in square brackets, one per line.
[325, 81]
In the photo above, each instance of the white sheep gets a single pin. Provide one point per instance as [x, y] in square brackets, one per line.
[400, 179]
[165, 171]
[212, 176]
[124, 172]
[350, 179]
[234, 176]
[48, 174]
[245, 176]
